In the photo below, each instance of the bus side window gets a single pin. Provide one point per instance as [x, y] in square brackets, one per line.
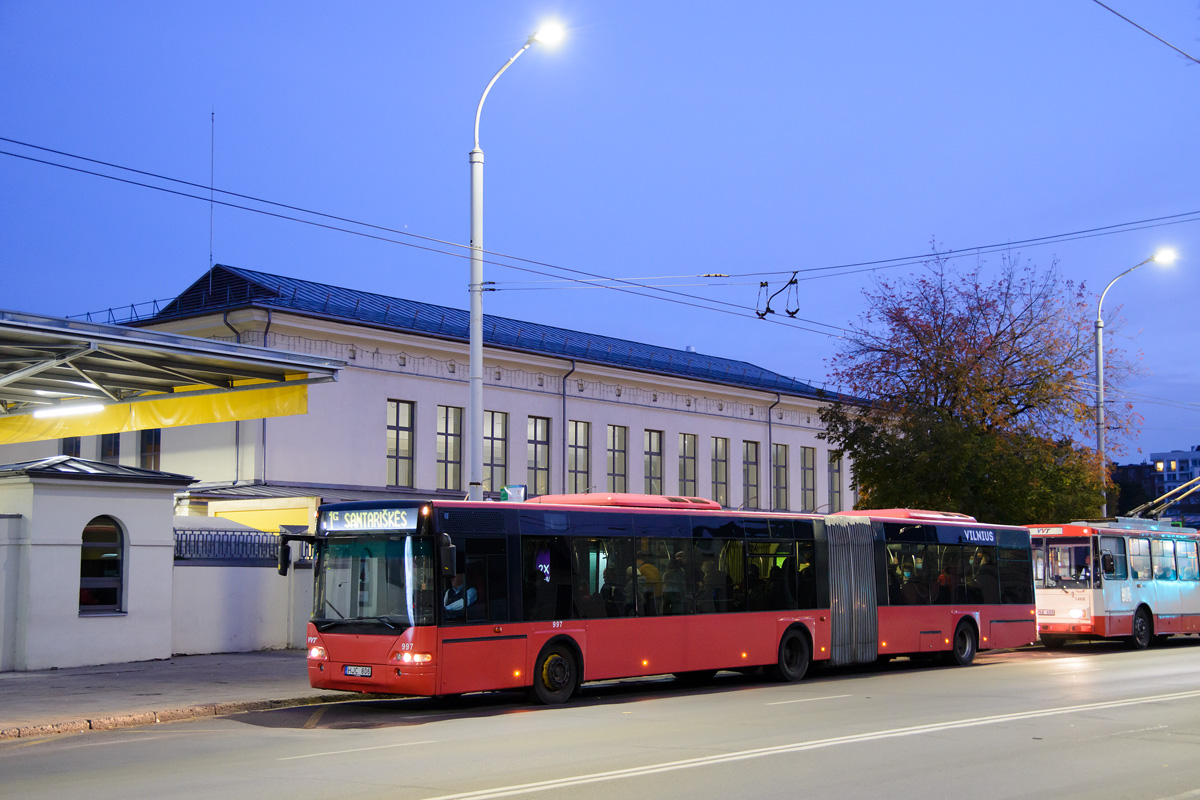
[1139, 559]
[1113, 561]
[1189, 568]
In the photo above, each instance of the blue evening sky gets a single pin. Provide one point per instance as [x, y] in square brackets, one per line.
[658, 139]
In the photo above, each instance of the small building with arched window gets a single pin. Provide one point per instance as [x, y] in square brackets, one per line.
[86, 553]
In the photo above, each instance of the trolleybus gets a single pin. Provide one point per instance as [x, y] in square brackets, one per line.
[447, 597]
[1130, 578]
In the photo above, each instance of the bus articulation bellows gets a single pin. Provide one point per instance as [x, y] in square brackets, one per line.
[446, 597]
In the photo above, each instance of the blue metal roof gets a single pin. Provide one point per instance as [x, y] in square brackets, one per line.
[224, 288]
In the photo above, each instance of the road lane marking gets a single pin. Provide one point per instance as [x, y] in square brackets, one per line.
[356, 750]
[797, 747]
[312, 721]
[809, 699]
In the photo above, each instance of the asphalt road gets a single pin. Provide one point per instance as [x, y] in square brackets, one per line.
[1094, 721]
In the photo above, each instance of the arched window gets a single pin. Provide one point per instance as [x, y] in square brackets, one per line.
[101, 567]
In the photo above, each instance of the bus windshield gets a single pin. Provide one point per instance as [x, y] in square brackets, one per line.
[1067, 564]
[384, 584]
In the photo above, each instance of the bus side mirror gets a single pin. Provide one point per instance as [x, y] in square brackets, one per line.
[285, 555]
[447, 556]
[1108, 564]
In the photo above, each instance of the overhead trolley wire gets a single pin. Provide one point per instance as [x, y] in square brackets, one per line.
[739, 310]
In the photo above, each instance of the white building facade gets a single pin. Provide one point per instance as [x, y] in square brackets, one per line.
[564, 412]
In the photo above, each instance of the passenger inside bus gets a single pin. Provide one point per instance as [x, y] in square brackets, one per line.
[458, 597]
[613, 596]
[1085, 569]
[987, 580]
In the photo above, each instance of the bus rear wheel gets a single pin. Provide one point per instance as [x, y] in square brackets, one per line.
[794, 657]
[1143, 630]
[555, 675]
[963, 645]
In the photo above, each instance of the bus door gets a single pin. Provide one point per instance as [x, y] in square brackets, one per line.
[853, 611]
[1189, 584]
[1166, 586]
[1141, 576]
[1113, 607]
[479, 650]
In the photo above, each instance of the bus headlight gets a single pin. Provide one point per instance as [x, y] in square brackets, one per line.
[409, 657]
[317, 652]
[1075, 613]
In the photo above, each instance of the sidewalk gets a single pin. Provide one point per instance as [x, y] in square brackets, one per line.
[144, 692]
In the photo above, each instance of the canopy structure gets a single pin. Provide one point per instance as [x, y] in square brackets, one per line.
[62, 377]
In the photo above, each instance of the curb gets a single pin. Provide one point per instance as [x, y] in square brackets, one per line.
[166, 715]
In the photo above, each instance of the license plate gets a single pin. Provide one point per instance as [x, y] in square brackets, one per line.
[1046, 612]
[357, 672]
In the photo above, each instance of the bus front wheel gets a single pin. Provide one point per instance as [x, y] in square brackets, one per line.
[556, 675]
[1143, 630]
[794, 657]
[963, 645]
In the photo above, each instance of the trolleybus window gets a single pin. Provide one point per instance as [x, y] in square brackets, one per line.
[1162, 556]
[1112, 558]
[1185, 554]
[1139, 559]
[1068, 564]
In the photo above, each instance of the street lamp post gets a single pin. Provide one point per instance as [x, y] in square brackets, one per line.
[547, 34]
[1164, 256]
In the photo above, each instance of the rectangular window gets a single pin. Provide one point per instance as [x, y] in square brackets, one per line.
[1112, 558]
[579, 477]
[449, 448]
[618, 458]
[720, 470]
[779, 474]
[835, 484]
[538, 443]
[1189, 567]
[69, 447]
[1162, 555]
[401, 415]
[652, 453]
[808, 479]
[1139, 559]
[150, 448]
[750, 475]
[495, 451]
[687, 464]
[110, 448]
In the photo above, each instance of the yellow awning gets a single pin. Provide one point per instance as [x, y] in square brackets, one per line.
[140, 379]
[165, 412]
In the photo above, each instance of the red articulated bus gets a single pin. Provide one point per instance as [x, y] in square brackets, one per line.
[1130, 578]
[446, 597]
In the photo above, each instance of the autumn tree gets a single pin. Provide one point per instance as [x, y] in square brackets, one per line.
[971, 395]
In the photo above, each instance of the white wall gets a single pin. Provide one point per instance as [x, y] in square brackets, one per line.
[48, 630]
[14, 561]
[229, 609]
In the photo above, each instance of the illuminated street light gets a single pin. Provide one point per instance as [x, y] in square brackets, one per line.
[1164, 256]
[547, 34]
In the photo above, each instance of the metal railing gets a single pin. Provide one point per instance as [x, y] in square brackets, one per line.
[234, 548]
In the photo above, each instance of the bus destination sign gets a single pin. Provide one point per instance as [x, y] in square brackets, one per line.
[374, 519]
